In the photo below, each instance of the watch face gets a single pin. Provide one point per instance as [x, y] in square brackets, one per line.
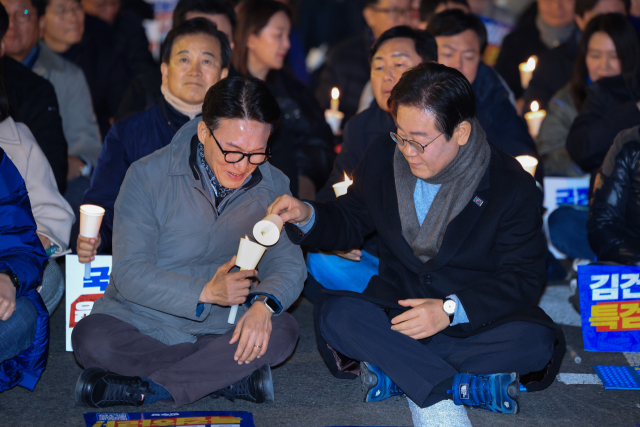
[449, 307]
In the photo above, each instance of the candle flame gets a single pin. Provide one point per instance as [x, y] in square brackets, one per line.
[346, 178]
[335, 93]
[535, 106]
[246, 237]
[531, 63]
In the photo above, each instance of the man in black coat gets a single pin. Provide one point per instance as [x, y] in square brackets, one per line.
[462, 259]
[33, 102]
[347, 65]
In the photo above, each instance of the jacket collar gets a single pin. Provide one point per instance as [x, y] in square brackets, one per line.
[47, 60]
[9, 132]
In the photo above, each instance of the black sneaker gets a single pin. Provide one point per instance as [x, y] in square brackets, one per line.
[256, 388]
[98, 388]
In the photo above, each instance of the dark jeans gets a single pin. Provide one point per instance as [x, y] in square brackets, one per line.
[189, 371]
[568, 232]
[18, 331]
[362, 331]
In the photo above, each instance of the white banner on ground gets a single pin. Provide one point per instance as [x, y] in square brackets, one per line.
[560, 191]
[81, 293]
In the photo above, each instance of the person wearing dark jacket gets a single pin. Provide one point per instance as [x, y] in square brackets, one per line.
[396, 50]
[552, 24]
[143, 133]
[555, 67]
[131, 41]
[33, 101]
[301, 145]
[144, 89]
[610, 107]
[347, 64]
[24, 320]
[614, 208]
[89, 43]
[462, 259]
[461, 38]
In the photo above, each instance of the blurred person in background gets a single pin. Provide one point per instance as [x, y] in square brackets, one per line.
[131, 41]
[32, 99]
[430, 8]
[144, 89]
[607, 48]
[79, 124]
[461, 39]
[89, 43]
[552, 24]
[347, 64]
[301, 145]
[555, 67]
[195, 56]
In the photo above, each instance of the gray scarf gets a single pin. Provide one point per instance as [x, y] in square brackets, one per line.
[552, 36]
[459, 181]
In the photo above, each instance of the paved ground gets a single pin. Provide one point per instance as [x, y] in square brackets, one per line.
[307, 395]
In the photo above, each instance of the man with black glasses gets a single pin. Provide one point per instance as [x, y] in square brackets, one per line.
[161, 330]
[452, 312]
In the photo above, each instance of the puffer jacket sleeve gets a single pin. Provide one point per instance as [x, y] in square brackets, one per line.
[611, 199]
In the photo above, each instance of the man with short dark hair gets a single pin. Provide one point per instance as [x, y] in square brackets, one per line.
[555, 67]
[461, 39]
[195, 56]
[162, 329]
[143, 91]
[452, 313]
[430, 8]
[347, 64]
[396, 51]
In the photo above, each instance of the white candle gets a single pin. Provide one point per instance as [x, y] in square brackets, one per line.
[534, 119]
[249, 254]
[267, 231]
[90, 220]
[340, 188]
[526, 70]
[335, 99]
[528, 163]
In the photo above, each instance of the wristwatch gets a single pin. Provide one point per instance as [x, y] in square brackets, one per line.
[271, 304]
[14, 279]
[449, 307]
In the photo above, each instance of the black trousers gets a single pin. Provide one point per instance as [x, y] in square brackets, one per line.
[362, 331]
[189, 371]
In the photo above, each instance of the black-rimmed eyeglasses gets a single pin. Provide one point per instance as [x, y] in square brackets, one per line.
[236, 156]
[415, 144]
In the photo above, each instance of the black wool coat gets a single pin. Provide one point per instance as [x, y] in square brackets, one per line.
[492, 255]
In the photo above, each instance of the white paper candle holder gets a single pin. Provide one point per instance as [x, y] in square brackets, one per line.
[267, 231]
[90, 220]
[249, 254]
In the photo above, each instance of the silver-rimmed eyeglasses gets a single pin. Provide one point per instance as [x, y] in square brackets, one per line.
[415, 144]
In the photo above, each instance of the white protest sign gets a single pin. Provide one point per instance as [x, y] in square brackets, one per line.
[81, 293]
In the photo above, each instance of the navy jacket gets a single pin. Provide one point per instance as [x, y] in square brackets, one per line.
[22, 253]
[128, 141]
[492, 255]
[498, 117]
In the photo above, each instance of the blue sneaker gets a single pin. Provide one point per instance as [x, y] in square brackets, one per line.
[496, 393]
[376, 385]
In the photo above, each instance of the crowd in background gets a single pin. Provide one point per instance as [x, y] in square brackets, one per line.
[82, 98]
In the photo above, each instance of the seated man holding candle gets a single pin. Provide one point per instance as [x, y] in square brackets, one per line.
[396, 50]
[161, 330]
[195, 56]
[452, 313]
[462, 37]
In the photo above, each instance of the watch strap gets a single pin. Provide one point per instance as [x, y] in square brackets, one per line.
[14, 279]
[452, 315]
[271, 305]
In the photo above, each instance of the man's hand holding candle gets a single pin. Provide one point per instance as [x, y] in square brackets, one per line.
[291, 209]
[87, 248]
[226, 289]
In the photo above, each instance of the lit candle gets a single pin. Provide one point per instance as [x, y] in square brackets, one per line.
[90, 220]
[335, 99]
[534, 119]
[249, 254]
[526, 70]
[340, 188]
[528, 163]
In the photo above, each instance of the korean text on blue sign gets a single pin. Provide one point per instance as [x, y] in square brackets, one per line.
[610, 307]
